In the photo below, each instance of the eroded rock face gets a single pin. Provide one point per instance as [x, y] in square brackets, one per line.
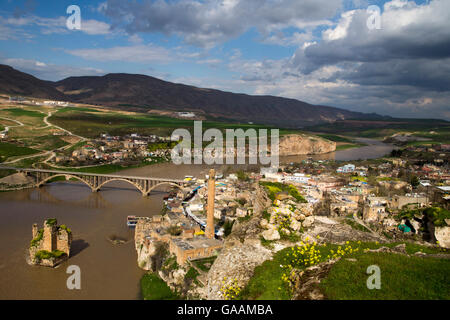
[295, 144]
[308, 222]
[271, 234]
[442, 235]
[235, 263]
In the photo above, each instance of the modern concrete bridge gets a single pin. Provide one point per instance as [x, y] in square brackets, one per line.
[95, 181]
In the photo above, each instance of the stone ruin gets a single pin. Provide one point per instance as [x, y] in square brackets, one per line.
[51, 245]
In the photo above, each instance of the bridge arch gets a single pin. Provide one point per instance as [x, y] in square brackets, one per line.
[164, 183]
[42, 182]
[136, 185]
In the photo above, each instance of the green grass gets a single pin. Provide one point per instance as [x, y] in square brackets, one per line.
[266, 281]
[359, 178]
[28, 163]
[48, 142]
[273, 188]
[44, 254]
[267, 284]
[8, 150]
[91, 125]
[192, 274]
[154, 288]
[19, 112]
[77, 109]
[402, 278]
[349, 146]
[383, 127]
[335, 138]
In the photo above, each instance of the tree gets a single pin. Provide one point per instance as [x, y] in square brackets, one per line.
[414, 181]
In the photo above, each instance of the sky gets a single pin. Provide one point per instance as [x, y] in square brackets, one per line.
[385, 57]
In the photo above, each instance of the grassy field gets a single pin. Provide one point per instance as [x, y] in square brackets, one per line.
[154, 288]
[19, 112]
[349, 146]
[335, 138]
[116, 123]
[383, 128]
[402, 278]
[8, 150]
[34, 135]
[267, 281]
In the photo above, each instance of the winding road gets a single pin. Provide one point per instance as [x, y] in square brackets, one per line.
[51, 153]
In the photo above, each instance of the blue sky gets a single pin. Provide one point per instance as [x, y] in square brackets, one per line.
[319, 51]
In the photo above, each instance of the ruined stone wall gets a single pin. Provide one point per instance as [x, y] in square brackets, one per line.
[63, 241]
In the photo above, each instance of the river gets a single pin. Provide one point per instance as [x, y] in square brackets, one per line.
[107, 271]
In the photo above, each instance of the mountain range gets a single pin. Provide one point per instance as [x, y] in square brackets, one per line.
[141, 93]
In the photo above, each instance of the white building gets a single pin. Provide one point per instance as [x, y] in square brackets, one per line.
[298, 178]
[346, 169]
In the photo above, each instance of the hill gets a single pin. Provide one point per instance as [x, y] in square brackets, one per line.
[142, 93]
[14, 82]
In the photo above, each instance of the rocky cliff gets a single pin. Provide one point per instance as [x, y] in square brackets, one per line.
[296, 144]
[242, 251]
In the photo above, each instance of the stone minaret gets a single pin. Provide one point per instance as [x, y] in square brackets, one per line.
[211, 195]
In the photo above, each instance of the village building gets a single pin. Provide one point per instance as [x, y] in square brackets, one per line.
[397, 202]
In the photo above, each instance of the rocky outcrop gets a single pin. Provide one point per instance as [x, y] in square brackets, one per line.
[259, 199]
[306, 283]
[271, 234]
[442, 235]
[234, 265]
[150, 251]
[295, 144]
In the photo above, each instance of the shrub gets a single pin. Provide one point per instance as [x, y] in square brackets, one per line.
[191, 274]
[174, 230]
[227, 227]
[51, 222]
[38, 238]
[44, 254]
[241, 175]
[266, 215]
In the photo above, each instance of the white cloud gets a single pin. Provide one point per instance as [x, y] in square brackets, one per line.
[136, 53]
[54, 25]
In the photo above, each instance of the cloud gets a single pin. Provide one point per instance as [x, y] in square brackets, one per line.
[408, 31]
[53, 25]
[209, 22]
[135, 53]
[403, 69]
[49, 71]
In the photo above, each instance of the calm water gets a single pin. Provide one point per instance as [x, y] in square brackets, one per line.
[107, 271]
